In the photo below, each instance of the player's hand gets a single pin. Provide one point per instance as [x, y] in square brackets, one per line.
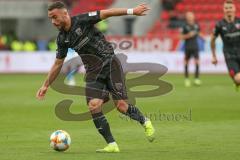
[41, 93]
[192, 33]
[214, 60]
[140, 10]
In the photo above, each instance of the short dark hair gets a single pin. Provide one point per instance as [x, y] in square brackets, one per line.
[56, 5]
[229, 2]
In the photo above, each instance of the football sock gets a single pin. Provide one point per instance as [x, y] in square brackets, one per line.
[103, 127]
[186, 71]
[197, 71]
[135, 114]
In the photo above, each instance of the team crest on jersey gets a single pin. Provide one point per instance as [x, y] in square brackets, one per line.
[79, 31]
[224, 28]
[237, 26]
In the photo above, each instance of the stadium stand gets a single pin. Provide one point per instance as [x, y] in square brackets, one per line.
[207, 13]
[13, 43]
[82, 6]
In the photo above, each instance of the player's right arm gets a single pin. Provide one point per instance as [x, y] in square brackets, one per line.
[213, 49]
[214, 36]
[52, 75]
[62, 50]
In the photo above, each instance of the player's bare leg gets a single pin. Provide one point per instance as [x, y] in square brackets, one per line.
[237, 81]
[197, 81]
[135, 114]
[102, 125]
[186, 74]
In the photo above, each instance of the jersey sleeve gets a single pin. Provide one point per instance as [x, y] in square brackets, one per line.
[184, 30]
[217, 29]
[90, 17]
[61, 50]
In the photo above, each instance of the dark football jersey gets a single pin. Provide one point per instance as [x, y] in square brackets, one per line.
[230, 34]
[86, 40]
[191, 43]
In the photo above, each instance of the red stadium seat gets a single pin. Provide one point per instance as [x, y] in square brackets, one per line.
[85, 6]
[180, 7]
[165, 16]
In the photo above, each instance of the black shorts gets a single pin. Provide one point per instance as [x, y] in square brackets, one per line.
[191, 53]
[106, 80]
[233, 65]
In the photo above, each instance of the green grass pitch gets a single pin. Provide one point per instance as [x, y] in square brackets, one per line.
[212, 133]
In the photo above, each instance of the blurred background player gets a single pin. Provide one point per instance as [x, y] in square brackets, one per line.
[229, 30]
[191, 33]
[71, 67]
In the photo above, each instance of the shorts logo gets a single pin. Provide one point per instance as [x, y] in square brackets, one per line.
[78, 31]
[118, 86]
[92, 13]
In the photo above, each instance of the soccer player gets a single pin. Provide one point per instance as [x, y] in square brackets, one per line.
[190, 33]
[103, 70]
[229, 30]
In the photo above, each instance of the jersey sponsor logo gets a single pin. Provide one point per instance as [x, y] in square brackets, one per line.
[92, 13]
[232, 35]
[81, 44]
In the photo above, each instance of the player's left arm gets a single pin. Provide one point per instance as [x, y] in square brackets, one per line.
[139, 10]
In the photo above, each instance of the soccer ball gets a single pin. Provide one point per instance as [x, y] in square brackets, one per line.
[60, 140]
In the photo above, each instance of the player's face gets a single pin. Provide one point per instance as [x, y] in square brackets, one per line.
[229, 9]
[58, 18]
[190, 18]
